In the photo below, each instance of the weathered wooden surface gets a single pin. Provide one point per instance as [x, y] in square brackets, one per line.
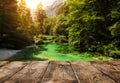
[32, 73]
[60, 72]
[89, 74]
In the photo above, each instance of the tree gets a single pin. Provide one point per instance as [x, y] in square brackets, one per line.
[9, 21]
[92, 25]
[40, 16]
[25, 21]
[48, 25]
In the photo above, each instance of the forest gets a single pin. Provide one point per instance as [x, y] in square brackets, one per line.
[81, 28]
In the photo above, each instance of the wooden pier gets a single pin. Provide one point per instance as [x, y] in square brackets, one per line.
[60, 72]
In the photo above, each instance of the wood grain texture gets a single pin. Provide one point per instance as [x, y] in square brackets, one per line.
[110, 69]
[89, 74]
[32, 73]
[59, 72]
[115, 62]
[10, 69]
[2, 63]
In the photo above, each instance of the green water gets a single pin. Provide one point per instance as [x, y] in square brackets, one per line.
[55, 52]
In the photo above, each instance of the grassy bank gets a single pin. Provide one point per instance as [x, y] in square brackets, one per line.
[54, 52]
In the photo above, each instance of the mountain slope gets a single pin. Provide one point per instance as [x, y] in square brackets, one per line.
[51, 10]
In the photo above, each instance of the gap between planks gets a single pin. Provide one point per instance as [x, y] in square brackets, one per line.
[45, 71]
[97, 65]
[8, 70]
[32, 73]
[74, 73]
[18, 70]
[59, 72]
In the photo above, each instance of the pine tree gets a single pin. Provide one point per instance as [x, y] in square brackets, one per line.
[9, 21]
[25, 20]
[40, 16]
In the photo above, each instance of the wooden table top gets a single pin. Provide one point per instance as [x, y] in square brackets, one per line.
[60, 72]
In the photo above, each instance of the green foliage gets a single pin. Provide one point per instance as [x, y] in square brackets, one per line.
[59, 26]
[40, 16]
[54, 52]
[48, 24]
[91, 25]
[17, 28]
[25, 29]
[9, 22]
[87, 25]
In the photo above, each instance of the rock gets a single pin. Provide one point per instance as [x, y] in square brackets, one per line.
[7, 53]
[51, 10]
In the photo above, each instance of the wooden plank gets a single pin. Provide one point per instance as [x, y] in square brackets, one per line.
[59, 72]
[86, 73]
[109, 69]
[32, 73]
[115, 62]
[2, 63]
[10, 69]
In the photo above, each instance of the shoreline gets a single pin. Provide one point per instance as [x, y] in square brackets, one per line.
[7, 53]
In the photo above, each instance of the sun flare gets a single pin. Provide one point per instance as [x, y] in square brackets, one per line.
[32, 4]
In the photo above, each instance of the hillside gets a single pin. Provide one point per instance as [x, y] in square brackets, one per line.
[51, 10]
